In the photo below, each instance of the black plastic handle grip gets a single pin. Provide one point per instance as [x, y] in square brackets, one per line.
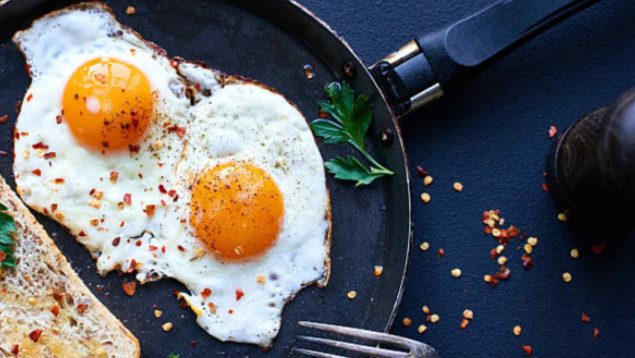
[457, 51]
[437, 62]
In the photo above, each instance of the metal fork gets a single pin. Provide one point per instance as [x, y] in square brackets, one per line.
[411, 348]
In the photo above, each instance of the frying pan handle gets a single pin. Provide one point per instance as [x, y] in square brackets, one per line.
[435, 63]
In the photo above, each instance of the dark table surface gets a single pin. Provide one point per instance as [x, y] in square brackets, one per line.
[491, 136]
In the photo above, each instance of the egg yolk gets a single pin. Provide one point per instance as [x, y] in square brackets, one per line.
[108, 104]
[236, 210]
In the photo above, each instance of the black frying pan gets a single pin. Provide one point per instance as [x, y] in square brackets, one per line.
[271, 41]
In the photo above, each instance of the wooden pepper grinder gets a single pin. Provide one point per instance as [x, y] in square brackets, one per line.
[591, 169]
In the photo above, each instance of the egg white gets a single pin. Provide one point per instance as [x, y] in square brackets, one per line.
[230, 120]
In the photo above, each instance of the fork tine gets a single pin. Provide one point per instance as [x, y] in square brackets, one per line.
[357, 348]
[356, 332]
[311, 353]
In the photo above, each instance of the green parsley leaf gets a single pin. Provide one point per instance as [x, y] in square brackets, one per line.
[350, 168]
[7, 229]
[351, 119]
[173, 355]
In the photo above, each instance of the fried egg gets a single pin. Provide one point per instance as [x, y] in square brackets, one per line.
[171, 169]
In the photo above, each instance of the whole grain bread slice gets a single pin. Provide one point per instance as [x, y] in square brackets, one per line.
[45, 308]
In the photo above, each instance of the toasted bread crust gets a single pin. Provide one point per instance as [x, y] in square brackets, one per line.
[121, 343]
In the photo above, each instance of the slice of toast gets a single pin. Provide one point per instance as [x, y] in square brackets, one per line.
[45, 308]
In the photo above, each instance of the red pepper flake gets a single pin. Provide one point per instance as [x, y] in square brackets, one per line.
[152, 248]
[133, 265]
[174, 63]
[162, 189]
[599, 248]
[239, 294]
[553, 130]
[55, 310]
[138, 243]
[596, 332]
[197, 86]
[3, 256]
[528, 262]
[53, 207]
[15, 349]
[82, 307]
[171, 193]
[180, 131]
[487, 230]
[230, 311]
[129, 287]
[59, 296]
[149, 210]
[81, 233]
[323, 114]
[503, 273]
[4, 119]
[40, 145]
[584, 318]
[37, 172]
[134, 148]
[527, 349]
[163, 249]
[212, 307]
[58, 119]
[206, 293]
[59, 180]
[440, 252]
[493, 253]
[127, 198]
[163, 203]
[464, 323]
[35, 335]
[114, 176]
[180, 248]
[421, 172]
[29, 97]
[4, 153]
[50, 155]
[544, 187]
[27, 69]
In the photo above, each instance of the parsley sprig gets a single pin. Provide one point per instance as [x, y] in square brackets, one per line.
[7, 228]
[351, 117]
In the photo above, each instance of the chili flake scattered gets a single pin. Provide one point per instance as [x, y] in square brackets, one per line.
[464, 323]
[425, 309]
[37, 172]
[457, 186]
[596, 332]
[599, 248]
[378, 271]
[553, 131]
[440, 252]
[206, 293]
[407, 322]
[35, 335]
[212, 307]
[55, 310]
[130, 287]
[240, 294]
[40, 145]
[422, 173]
[527, 349]
[15, 349]
[528, 262]
[149, 210]
[4, 119]
[584, 318]
[127, 198]
[49, 155]
[130, 10]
